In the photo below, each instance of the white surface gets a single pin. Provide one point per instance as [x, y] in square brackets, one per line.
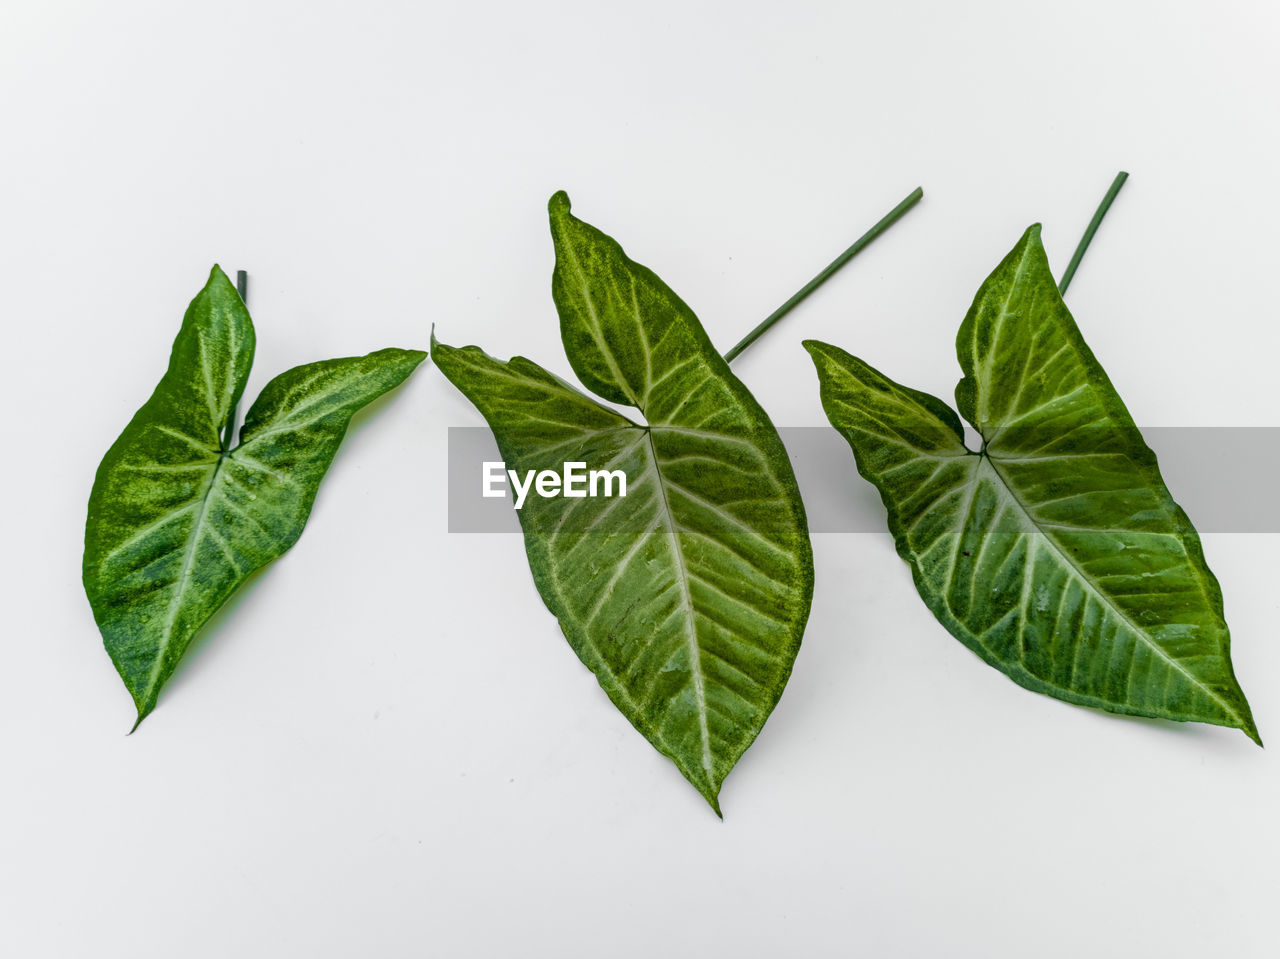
[384, 747]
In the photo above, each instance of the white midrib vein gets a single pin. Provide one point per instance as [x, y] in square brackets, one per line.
[175, 602]
[217, 416]
[605, 350]
[984, 412]
[695, 655]
[1023, 511]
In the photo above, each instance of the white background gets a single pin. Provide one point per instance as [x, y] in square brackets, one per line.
[384, 746]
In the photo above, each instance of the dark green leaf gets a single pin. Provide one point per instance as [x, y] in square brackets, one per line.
[1055, 553]
[688, 597]
[176, 522]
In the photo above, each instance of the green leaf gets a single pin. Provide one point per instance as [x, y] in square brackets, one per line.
[688, 596]
[176, 521]
[1055, 553]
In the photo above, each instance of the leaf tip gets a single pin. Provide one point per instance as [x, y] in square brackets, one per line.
[436, 345]
[1251, 730]
[559, 204]
[220, 281]
[713, 799]
[218, 277]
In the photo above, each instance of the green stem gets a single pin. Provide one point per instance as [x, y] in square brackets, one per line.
[229, 429]
[1092, 228]
[887, 221]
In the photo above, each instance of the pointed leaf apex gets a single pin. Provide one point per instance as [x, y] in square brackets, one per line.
[217, 278]
[1033, 232]
[712, 796]
[142, 714]
[815, 348]
[437, 346]
[1251, 731]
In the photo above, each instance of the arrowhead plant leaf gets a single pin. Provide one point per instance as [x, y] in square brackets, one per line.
[177, 520]
[687, 597]
[1055, 552]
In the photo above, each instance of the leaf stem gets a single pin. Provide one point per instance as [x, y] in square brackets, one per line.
[863, 241]
[1091, 229]
[229, 428]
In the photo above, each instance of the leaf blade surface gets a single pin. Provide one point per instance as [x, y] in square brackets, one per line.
[687, 599]
[1056, 553]
[176, 523]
